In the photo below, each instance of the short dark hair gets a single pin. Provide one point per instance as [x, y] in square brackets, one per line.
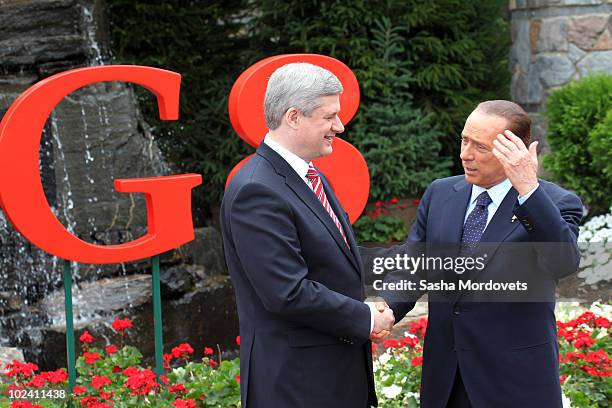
[519, 122]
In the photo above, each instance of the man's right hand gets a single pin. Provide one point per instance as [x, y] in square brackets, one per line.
[383, 320]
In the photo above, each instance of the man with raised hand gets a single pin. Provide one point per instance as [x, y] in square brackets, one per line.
[496, 353]
[293, 260]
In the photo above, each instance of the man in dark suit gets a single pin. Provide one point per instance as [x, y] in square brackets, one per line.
[496, 354]
[292, 258]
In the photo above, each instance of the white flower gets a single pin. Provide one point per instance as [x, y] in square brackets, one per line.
[384, 358]
[392, 391]
[416, 395]
[566, 401]
[602, 309]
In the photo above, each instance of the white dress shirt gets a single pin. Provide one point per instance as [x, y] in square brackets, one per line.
[300, 166]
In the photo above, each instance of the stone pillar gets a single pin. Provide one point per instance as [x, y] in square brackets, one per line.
[555, 42]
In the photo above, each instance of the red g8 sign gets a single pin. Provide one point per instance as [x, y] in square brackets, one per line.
[168, 198]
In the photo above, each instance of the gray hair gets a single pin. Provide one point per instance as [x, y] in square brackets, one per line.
[297, 85]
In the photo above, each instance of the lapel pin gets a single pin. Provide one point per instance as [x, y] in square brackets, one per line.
[513, 218]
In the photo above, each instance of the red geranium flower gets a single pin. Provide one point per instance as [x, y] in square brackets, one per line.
[24, 404]
[120, 325]
[186, 403]
[86, 337]
[182, 350]
[573, 356]
[89, 401]
[37, 381]
[212, 363]
[177, 388]
[19, 369]
[587, 317]
[391, 343]
[208, 351]
[238, 378]
[417, 361]
[111, 349]
[584, 340]
[106, 395]
[167, 360]
[602, 322]
[394, 200]
[91, 357]
[419, 327]
[56, 377]
[410, 341]
[238, 340]
[140, 382]
[79, 389]
[99, 381]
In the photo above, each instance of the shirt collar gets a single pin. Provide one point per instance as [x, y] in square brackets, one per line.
[497, 192]
[296, 163]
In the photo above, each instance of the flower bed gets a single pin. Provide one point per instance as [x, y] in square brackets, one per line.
[112, 375]
[584, 361]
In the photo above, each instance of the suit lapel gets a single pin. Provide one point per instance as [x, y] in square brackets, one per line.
[306, 195]
[454, 212]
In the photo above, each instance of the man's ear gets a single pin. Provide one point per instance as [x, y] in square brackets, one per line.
[292, 118]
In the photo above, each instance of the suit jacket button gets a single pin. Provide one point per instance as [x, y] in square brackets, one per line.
[457, 310]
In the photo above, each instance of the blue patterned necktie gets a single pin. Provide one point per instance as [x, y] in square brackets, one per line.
[476, 222]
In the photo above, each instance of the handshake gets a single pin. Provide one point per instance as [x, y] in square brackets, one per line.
[383, 321]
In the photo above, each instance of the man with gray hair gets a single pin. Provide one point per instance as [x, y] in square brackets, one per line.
[293, 260]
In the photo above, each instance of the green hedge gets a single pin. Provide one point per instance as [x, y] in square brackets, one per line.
[421, 66]
[580, 137]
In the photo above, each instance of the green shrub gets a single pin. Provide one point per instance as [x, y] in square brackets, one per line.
[400, 143]
[600, 146]
[382, 229]
[580, 138]
[379, 225]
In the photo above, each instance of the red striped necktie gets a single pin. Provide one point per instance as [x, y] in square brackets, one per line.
[317, 186]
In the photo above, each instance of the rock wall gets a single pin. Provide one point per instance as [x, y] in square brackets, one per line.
[555, 42]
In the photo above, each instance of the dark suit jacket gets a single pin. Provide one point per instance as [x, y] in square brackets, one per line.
[506, 352]
[304, 327]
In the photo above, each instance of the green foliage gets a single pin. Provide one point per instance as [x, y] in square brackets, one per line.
[382, 229]
[399, 142]
[579, 133]
[600, 146]
[459, 51]
[421, 66]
